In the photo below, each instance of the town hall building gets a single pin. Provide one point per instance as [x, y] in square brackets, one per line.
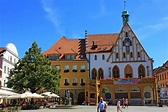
[113, 66]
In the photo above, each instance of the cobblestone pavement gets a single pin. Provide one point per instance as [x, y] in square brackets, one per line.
[110, 109]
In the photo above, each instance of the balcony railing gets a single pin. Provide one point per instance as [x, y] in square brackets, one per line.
[66, 70]
[74, 84]
[66, 83]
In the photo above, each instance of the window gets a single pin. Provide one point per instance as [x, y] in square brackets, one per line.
[8, 71]
[66, 68]
[116, 72]
[147, 67]
[4, 69]
[127, 44]
[141, 71]
[95, 57]
[10, 58]
[100, 73]
[138, 54]
[53, 57]
[57, 67]
[66, 82]
[74, 68]
[74, 82]
[124, 55]
[68, 57]
[83, 68]
[131, 55]
[116, 55]
[94, 73]
[103, 57]
[82, 82]
[126, 34]
[72, 56]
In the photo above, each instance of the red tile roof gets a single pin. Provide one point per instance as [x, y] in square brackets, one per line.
[2, 50]
[65, 46]
[101, 42]
[161, 68]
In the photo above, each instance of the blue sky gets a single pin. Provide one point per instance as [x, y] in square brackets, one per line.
[45, 21]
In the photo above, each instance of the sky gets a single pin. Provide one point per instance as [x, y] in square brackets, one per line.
[45, 21]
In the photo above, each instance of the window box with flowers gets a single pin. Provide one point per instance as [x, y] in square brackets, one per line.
[74, 83]
[74, 70]
[82, 70]
[66, 70]
[66, 83]
[82, 84]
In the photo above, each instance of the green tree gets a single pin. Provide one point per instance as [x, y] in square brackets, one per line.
[34, 72]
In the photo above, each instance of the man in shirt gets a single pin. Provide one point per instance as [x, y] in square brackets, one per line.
[102, 105]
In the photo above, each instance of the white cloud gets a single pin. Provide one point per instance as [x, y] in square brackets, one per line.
[52, 14]
[148, 30]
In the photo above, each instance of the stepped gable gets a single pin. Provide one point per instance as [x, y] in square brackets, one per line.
[101, 42]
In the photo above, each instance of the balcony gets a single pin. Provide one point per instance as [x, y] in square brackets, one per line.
[82, 70]
[82, 84]
[74, 70]
[74, 83]
[65, 71]
[66, 84]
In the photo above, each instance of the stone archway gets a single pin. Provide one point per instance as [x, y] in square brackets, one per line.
[81, 98]
[135, 92]
[148, 95]
[120, 93]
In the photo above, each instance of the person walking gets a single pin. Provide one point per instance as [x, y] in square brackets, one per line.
[118, 106]
[102, 105]
[123, 103]
[126, 103]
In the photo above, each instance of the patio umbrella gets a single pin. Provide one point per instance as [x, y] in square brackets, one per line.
[15, 96]
[35, 95]
[27, 94]
[6, 93]
[50, 94]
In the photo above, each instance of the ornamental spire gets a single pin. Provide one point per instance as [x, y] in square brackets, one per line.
[125, 14]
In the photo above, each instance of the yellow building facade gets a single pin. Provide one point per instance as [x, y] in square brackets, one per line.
[68, 56]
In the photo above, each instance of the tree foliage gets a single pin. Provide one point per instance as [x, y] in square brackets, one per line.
[34, 72]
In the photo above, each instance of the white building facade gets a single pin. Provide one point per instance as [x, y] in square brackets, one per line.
[8, 59]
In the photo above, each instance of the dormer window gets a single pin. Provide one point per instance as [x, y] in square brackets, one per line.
[93, 45]
[54, 57]
[68, 57]
[73, 56]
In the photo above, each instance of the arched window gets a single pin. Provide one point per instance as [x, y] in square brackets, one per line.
[94, 73]
[116, 72]
[141, 71]
[128, 71]
[95, 57]
[100, 73]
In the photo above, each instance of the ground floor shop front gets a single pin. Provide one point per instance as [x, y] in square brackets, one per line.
[137, 91]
